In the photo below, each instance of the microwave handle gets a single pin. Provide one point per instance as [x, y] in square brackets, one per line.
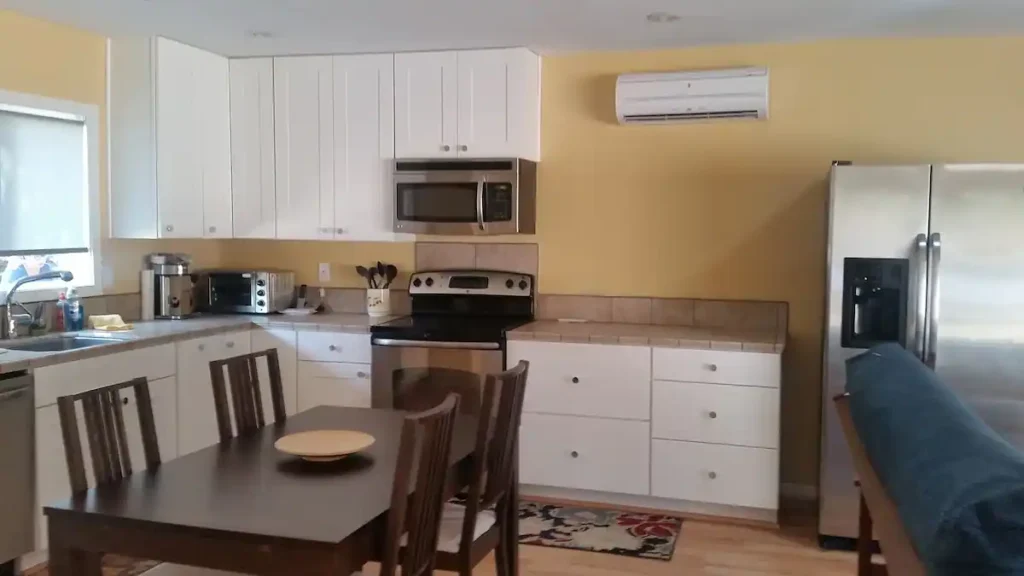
[480, 205]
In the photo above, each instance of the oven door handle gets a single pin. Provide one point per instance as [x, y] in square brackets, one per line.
[395, 343]
[480, 205]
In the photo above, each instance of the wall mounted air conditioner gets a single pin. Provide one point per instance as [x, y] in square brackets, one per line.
[692, 96]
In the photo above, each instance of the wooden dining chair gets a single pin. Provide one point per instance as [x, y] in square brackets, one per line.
[412, 532]
[106, 433]
[246, 399]
[470, 531]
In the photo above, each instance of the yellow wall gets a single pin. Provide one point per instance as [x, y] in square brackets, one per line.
[38, 57]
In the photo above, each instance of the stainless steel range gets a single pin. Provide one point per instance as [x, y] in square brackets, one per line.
[459, 321]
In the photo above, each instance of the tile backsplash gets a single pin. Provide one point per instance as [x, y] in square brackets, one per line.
[521, 258]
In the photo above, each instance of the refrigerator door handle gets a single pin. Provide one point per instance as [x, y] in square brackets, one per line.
[921, 312]
[934, 261]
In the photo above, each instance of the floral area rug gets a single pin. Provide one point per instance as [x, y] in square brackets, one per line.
[599, 530]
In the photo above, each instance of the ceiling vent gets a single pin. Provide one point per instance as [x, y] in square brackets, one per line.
[692, 96]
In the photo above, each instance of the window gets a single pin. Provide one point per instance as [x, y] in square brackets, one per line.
[49, 194]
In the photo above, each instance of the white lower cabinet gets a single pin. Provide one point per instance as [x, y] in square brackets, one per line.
[728, 475]
[287, 358]
[333, 384]
[585, 453]
[197, 417]
[739, 415]
[52, 482]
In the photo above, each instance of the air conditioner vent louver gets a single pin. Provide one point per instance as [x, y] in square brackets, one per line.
[692, 96]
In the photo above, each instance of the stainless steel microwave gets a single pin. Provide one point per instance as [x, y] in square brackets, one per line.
[466, 197]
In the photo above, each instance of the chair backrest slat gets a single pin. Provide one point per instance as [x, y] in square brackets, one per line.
[426, 446]
[246, 401]
[106, 433]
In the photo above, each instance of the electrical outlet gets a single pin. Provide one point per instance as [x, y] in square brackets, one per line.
[325, 272]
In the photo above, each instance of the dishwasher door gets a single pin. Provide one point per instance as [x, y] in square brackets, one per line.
[17, 461]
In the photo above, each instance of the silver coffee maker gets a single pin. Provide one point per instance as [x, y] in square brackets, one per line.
[168, 288]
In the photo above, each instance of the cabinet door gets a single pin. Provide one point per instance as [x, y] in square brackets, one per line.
[426, 109]
[52, 483]
[197, 417]
[253, 205]
[212, 115]
[364, 146]
[499, 104]
[333, 384]
[304, 147]
[287, 357]
[178, 154]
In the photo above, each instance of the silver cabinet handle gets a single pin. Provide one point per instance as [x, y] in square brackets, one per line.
[920, 314]
[339, 231]
[332, 348]
[575, 380]
[934, 260]
[169, 228]
[712, 475]
[713, 367]
[213, 229]
[362, 375]
[446, 148]
[574, 454]
[231, 344]
[464, 148]
[712, 414]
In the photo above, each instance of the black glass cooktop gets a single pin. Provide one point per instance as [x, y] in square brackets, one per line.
[448, 328]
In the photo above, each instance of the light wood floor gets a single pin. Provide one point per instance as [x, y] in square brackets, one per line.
[703, 548]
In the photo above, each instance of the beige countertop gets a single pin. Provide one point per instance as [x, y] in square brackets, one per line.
[156, 332]
[650, 335]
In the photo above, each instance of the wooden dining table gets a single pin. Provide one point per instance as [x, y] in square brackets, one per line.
[242, 506]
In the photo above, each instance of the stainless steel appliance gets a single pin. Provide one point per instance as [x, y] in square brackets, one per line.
[459, 320]
[17, 460]
[245, 291]
[926, 256]
[173, 286]
[466, 197]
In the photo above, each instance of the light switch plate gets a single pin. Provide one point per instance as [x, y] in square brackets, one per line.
[325, 272]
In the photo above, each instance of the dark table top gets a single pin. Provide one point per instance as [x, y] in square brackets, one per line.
[246, 486]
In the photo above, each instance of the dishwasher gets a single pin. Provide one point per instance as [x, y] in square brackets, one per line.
[17, 461]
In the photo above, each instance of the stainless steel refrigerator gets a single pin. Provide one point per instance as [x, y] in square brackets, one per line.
[931, 257]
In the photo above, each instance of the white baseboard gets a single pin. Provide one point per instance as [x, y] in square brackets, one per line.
[801, 492]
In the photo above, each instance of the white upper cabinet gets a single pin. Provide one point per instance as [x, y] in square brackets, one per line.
[254, 207]
[364, 146]
[170, 148]
[469, 104]
[426, 105]
[304, 147]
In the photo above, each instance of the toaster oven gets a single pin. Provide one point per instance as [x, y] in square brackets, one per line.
[245, 291]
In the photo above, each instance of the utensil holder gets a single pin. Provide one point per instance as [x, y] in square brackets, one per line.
[378, 302]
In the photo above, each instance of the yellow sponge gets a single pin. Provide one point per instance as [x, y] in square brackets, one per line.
[109, 323]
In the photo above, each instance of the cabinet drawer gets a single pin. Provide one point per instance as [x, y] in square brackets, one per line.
[52, 382]
[716, 413]
[333, 384]
[730, 475]
[585, 453]
[217, 347]
[586, 379]
[334, 347]
[717, 367]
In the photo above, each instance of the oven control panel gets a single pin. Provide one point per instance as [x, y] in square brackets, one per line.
[478, 282]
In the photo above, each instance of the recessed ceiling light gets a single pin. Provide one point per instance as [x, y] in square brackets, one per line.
[662, 17]
[261, 34]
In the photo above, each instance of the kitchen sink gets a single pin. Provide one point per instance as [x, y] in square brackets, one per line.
[57, 343]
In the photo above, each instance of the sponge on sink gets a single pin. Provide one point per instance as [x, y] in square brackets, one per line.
[109, 323]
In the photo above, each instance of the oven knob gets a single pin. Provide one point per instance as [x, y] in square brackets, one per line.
[261, 282]
[509, 283]
[261, 293]
[260, 303]
[430, 282]
[417, 282]
[523, 285]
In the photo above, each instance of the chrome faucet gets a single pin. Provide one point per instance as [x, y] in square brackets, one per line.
[30, 319]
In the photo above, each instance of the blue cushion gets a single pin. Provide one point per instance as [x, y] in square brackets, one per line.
[958, 486]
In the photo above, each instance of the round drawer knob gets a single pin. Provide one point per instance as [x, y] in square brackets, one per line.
[712, 475]
[574, 454]
[202, 347]
[361, 374]
[169, 228]
[464, 148]
[231, 344]
[332, 348]
[713, 367]
[575, 380]
[713, 415]
[124, 401]
[213, 229]
[446, 148]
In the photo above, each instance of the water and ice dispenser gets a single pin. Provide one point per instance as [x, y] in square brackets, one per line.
[875, 296]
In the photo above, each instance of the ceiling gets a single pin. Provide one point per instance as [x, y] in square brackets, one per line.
[241, 27]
